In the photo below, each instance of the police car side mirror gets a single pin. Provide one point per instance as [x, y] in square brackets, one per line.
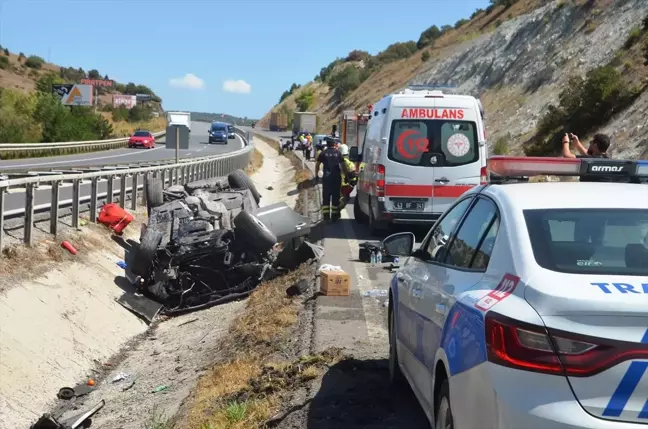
[399, 244]
[354, 156]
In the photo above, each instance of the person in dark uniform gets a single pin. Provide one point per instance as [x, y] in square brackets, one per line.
[333, 166]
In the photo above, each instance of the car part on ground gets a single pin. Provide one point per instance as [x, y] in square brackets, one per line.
[210, 243]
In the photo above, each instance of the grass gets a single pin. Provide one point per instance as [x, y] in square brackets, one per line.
[158, 420]
[125, 129]
[256, 342]
[256, 161]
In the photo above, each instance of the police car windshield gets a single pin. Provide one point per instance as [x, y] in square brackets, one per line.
[433, 143]
[590, 241]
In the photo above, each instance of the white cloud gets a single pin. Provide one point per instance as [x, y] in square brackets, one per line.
[237, 86]
[189, 81]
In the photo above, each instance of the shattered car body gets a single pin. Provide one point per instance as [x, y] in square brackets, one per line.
[209, 242]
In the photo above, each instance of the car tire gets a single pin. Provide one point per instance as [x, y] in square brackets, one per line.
[239, 180]
[396, 377]
[444, 419]
[143, 259]
[358, 214]
[154, 193]
[250, 228]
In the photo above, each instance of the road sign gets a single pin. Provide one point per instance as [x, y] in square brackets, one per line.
[72, 94]
[98, 82]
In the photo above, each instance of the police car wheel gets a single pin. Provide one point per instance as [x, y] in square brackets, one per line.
[396, 377]
[444, 418]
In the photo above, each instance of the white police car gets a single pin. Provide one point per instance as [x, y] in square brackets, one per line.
[526, 305]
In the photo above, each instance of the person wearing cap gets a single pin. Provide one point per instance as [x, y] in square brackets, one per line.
[333, 166]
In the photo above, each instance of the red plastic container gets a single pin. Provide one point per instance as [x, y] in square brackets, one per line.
[115, 217]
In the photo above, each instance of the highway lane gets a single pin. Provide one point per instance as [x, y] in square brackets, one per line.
[197, 147]
[15, 198]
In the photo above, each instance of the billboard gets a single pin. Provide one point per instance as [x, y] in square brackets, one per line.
[72, 94]
[98, 82]
[128, 101]
[143, 97]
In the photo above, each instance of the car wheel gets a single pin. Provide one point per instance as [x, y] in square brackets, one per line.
[358, 214]
[396, 377]
[444, 418]
[239, 180]
[254, 231]
[154, 193]
[144, 256]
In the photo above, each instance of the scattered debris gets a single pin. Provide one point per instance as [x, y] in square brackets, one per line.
[376, 293]
[66, 393]
[161, 388]
[91, 382]
[121, 264]
[299, 288]
[119, 377]
[70, 248]
[49, 421]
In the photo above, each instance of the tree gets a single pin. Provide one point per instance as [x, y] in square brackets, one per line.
[44, 84]
[34, 62]
[428, 37]
[94, 74]
[357, 55]
[345, 81]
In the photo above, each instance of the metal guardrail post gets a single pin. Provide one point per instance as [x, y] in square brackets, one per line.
[184, 174]
[134, 180]
[94, 191]
[110, 189]
[122, 191]
[145, 179]
[76, 193]
[29, 213]
[3, 192]
[54, 207]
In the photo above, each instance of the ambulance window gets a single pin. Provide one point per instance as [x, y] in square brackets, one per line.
[458, 143]
[433, 143]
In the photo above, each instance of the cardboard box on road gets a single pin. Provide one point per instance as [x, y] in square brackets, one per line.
[335, 283]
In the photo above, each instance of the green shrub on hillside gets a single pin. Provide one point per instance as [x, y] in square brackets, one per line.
[6, 51]
[584, 105]
[425, 55]
[505, 3]
[325, 72]
[345, 81]
[428, 37]
[397, 51]
[94, 74]
[44, 84]
[4, 63]
[35, 62]
[139, 114]
[644, 48]
[357, 55]
[460, 23]
[305, 100]
[40, 117]
[633, 37]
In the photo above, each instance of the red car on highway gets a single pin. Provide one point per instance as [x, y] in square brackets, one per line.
[142, 138]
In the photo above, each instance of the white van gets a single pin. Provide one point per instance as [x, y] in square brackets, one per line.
[422, 149]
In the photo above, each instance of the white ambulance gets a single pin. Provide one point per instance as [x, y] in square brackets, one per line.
[422, 149]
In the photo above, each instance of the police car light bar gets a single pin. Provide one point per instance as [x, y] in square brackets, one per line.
[516, 166]
[528, 166]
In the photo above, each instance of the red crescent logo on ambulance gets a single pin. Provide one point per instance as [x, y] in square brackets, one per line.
[411, 144]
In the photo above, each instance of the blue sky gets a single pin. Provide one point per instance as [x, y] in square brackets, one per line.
[261, 43]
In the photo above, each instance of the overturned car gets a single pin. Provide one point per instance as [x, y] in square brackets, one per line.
[209, 242]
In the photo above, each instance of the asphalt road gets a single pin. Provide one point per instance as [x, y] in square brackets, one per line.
[197, 147]
[15, 198]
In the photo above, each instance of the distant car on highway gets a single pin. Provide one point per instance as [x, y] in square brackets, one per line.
[218, 132]
[230, 132]
[142, 138]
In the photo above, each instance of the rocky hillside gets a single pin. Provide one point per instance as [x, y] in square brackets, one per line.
[540, 68]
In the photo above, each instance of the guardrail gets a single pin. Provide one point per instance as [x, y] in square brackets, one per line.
[121, 180]
[8, 147]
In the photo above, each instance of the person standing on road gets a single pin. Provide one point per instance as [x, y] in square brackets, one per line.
[347, 178]
[333, 166]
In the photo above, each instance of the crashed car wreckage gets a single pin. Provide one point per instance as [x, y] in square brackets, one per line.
[209, 242]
